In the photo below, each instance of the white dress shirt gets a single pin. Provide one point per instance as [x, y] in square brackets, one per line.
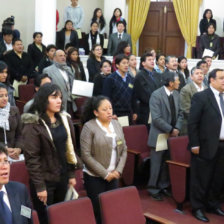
[64, 75]
[167, 91]
[8, 46]
[5, 197]
[118, 34]
[216, 94]
[199, 89]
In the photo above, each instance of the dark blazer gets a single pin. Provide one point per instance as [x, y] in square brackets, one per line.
[98, 84]
[18, 67]
[144, 86]
[18, 196]
[205, 42]
[86, 42]
[161, 114]
[93, 67]
[204, 123]
[60, 39]
[181, 78]
[45, 62]
[35, 54]
[204, 25]
[114, 41]
[2, 48]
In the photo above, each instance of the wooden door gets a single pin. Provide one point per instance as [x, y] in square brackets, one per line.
[161, 31]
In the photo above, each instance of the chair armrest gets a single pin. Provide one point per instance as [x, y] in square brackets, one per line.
[178, 163]
[21, 101]
[157, 218]
[133, 151]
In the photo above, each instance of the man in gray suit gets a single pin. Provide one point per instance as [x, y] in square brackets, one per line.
[166, 119]
[116, 38]
[62, 76]
[187, 93]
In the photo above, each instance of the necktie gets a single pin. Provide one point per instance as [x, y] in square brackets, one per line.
[221, 102]
[119, 36]
[4, 210]
[172, 110]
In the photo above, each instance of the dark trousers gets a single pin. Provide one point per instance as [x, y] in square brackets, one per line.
[207, 180]
[56, 192]
[159, 173]
[94, 186]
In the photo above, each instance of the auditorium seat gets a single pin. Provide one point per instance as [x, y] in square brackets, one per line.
[179, 168]
[26, 92]
[19, 173]
[78, 211]
[80, 183]
[35, 217]
[20, 104]
[136, 137]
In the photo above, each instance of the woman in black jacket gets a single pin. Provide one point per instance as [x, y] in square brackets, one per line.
[67, 35]
[207, 18]
[74, 62]
[36, 50]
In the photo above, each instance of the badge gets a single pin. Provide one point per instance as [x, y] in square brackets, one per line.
[119, 142]
[25, 211]
[130, 85]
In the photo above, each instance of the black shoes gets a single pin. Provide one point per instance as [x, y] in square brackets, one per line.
[199, 214]
[166, 192]
[217, 211]
[157, 197]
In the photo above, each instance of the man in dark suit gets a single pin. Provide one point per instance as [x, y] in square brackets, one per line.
[171, 65]
[146, 81]
[166, 119]
[15, 206]
[6, 42]
[116, 38]
[187, 92]
[206, 142]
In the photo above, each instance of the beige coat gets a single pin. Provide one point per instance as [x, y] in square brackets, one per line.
[96, 148]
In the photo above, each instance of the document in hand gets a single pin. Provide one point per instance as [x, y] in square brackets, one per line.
[82, 88]
[161, 143]
[123, 121]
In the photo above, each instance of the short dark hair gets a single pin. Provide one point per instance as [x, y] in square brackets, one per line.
[3, 149]
[38, 79]
[211, 24]
[201, 62]
[144, 56]
[169, 77]
[105, 61]
[15, 40]
[67, 21]
[205, 57]
[92, 104]
[50, 46]
[120, 22]
[119, 58]
[3, 66]
[194, 68]
[93, 23]
[7, 31]
[158, 56]
[120, 47]
[213, 73]
[37, 33]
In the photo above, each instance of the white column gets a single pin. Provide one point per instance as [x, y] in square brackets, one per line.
[109, 7]
[45, 20]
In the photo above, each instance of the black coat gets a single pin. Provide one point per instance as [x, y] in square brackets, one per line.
[204, 123]
[45, 62]
[98, 84]
[205, 42]
[2, 49]
[144, 86]
[35, 54]
[18, 67]
[204, 25]
[93, 67]
[86, 42]
[60, 39]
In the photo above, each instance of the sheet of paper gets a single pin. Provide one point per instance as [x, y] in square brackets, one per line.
[79, 32]
[82, 88]
[207, 52]
[16, 85]
[161, 143]
[150, 119]
[105, 44]
[123, 121]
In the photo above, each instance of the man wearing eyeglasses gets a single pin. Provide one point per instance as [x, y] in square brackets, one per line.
[15, 206]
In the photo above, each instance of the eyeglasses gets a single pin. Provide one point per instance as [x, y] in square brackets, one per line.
[2, 163]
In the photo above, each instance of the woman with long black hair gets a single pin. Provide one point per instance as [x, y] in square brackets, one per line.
[99, 18]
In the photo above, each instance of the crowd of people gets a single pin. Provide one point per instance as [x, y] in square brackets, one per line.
[161, 94]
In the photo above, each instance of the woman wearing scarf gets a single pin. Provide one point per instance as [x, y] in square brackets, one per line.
[210, 41]
[93, 37]
[10, 125]
[49, 149]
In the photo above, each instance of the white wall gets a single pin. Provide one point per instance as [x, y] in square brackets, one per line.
[88, 7]
[217, 9]
[23, 10]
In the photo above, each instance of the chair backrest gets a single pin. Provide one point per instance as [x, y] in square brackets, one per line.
[26, 92]
[19, 173]
[121, 206]
[178, 149]
[78, 211]
[136, 137]
[80, 103]
[35, 217]
[79, 183]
